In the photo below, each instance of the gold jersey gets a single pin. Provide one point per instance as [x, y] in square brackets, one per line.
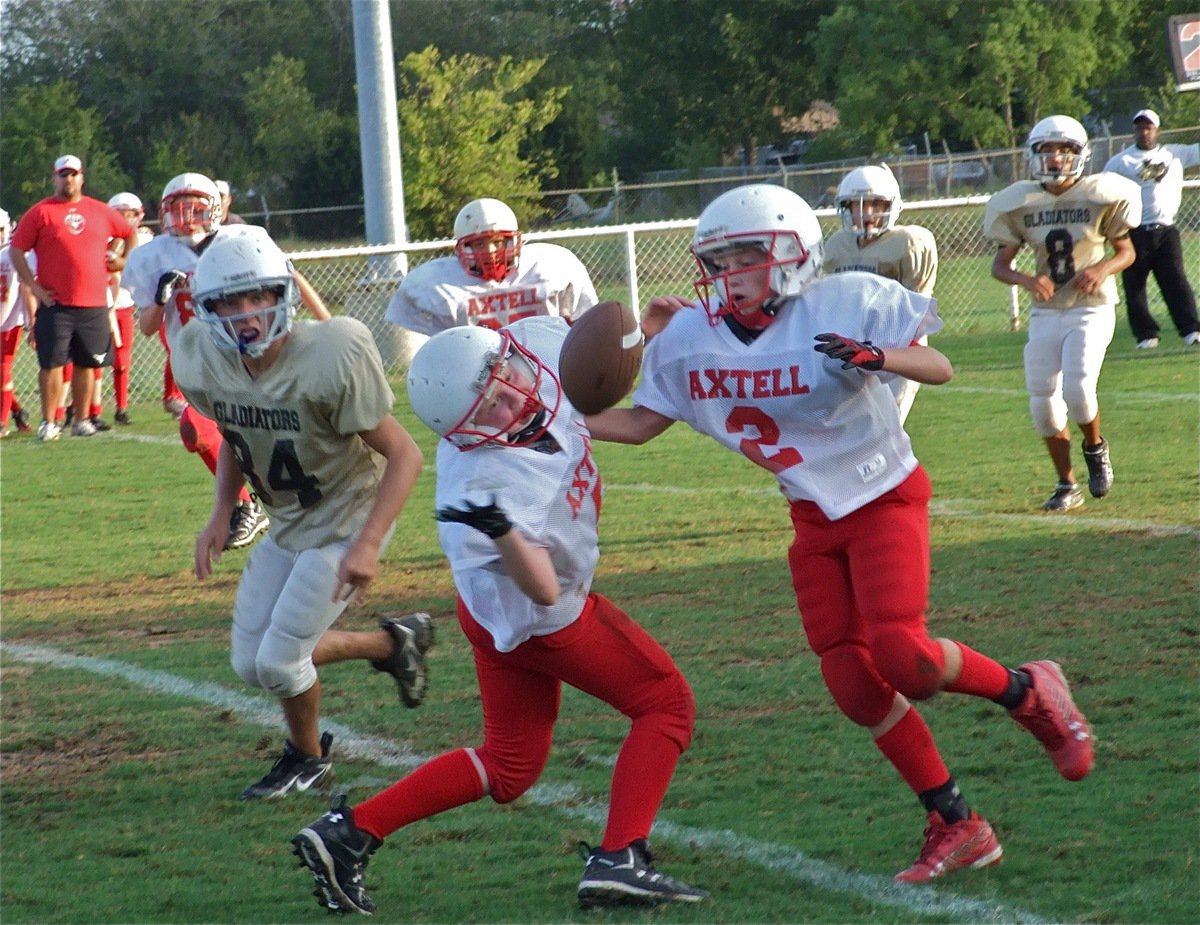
[905, 253]
[295, 429]
[1068, 232]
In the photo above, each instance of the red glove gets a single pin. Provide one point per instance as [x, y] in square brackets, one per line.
[852, 353]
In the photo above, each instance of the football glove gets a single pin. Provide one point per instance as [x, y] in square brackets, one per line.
[852, 353]
[166, 285]
[488, 519]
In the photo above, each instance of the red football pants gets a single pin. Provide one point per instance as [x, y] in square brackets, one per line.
[604, 654]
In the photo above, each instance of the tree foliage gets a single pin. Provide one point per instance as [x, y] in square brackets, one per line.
[468, 128]
[504, 96]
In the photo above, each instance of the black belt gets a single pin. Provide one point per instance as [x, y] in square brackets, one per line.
[1153, 225]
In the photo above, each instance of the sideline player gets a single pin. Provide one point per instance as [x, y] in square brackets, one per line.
[16, 304]
[870, 241]
[518, 498]
[124, 310]
[761, 370]
[306, 412]
[494, 278]
[1067, 219]
[158, 275]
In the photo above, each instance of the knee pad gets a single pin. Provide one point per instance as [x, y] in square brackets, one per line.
[856, 686]
[908, 660]
[1049, 414]
[285, 680]
[1081, 402]
[244, 667]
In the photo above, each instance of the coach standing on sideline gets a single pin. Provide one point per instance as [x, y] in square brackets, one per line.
[1158, 170]
[69, 232]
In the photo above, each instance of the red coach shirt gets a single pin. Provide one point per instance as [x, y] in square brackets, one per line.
[70, 239]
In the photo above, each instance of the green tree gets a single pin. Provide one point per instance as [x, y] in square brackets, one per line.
[37, 124]
[466, 124]
[985, 72]
[728, 73]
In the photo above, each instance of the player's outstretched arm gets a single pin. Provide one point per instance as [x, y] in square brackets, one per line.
[211, 541]
[403, 464]
[635, 425]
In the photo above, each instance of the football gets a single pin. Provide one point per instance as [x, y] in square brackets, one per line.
[601, 357]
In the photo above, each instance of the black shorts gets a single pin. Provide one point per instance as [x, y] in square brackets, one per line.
[78, 335]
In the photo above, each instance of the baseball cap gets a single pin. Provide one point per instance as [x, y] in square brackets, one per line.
[68, 162]
[125, 201]
[223, 187]
[1149, 115]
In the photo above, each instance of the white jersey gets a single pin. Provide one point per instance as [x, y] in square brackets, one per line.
[829, 435]
[440, 294]
[1159, 173]
[148, 262]
[14, 313]
[295, 428]
[552, 497]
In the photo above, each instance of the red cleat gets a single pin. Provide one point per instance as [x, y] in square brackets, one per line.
[1051, 715]
[951, 846]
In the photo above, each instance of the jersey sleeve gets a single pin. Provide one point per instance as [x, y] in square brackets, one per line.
[997, 220]
[921, 261]
[1124, 211]
[190, 370]
[361, 393]
[418, 305]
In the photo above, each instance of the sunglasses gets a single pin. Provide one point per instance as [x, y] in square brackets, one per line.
[67, 173]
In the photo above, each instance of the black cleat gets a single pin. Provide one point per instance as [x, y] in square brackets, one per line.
[1100, 471]
[626, 877]
[1066, 497]
[412, 637]
[336, 851]
[246, 523]
[294, 771]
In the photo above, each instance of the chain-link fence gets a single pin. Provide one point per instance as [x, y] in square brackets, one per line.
[635, 261]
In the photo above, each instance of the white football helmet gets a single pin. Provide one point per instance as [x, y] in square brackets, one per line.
[1055, 168]
[478, 224]
[458, 371]
[867, 184]
[769, 217]
[237, 265]
[190, 207]
[5, 227]
[126, 201]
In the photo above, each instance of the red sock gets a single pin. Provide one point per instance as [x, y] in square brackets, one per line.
[7, 406]
[909, 746]
[95, 410]
[980, 676]
[447, 781]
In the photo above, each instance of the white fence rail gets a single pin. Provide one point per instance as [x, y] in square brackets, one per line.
[633, 262]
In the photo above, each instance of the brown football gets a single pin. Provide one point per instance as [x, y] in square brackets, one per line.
[601, 357]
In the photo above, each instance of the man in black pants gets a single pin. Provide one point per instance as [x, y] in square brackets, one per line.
[1158, 169]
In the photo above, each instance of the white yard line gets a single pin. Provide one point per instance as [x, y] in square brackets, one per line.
[566, 799]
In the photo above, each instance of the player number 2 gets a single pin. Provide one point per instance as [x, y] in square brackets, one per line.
[284, 473]
[1060, 250]
[742, 418]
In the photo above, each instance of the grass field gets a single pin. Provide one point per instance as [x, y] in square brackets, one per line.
[126, 737]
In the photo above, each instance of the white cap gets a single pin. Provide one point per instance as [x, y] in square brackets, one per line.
[1149, 115]
[68, 162]
[223, 187]
[126, 201]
